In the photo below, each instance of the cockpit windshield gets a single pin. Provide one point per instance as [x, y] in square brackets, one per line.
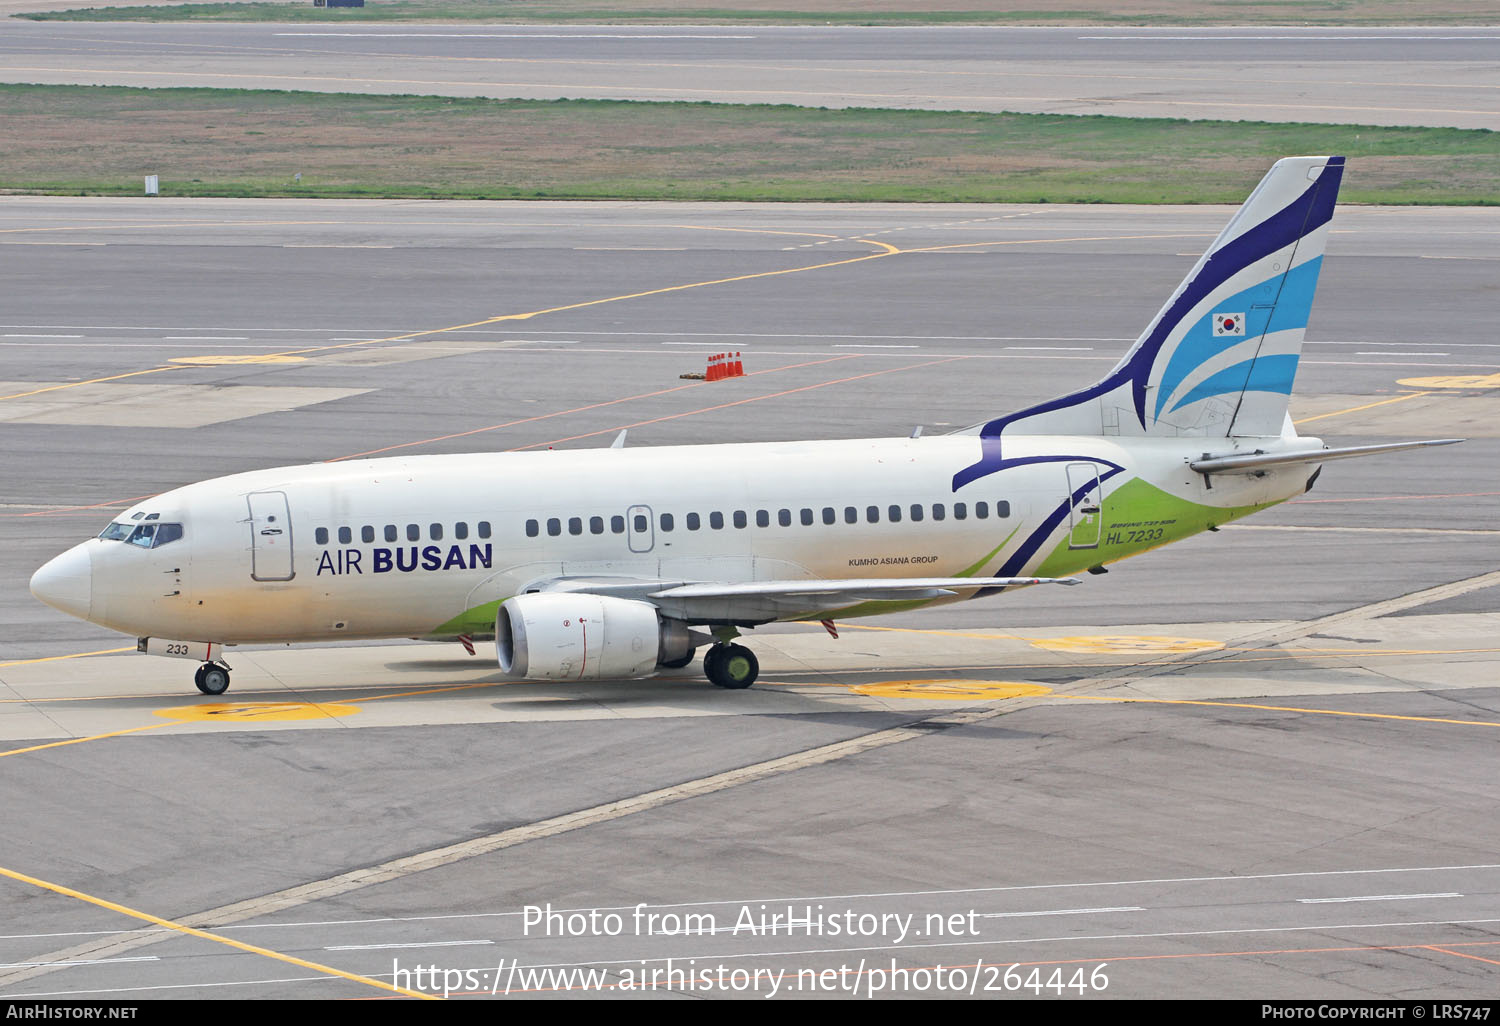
[148, 535]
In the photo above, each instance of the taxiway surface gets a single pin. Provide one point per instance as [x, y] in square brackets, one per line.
[1257, 763]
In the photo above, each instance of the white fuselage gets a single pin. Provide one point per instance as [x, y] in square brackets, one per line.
[424, 546]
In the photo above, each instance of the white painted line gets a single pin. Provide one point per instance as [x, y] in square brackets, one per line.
[546, 342]
[1387, 352]
[1377, 897]
[1297, 37]
[415, 944]
[205, 338]
[871, 345]
[709, 344]
[1054, 349]
[95, 961]
[498, 35]
[44, 336]
[1060, 912]
[330, 245]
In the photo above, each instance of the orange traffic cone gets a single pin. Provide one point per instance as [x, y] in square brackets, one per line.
[736, 368]
[714, 369]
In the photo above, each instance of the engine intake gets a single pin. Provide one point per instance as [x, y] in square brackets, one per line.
[575, 636]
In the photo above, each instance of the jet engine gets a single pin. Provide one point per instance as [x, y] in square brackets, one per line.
[576, 636]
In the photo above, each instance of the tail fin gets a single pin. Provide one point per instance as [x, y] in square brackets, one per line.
[1220, 357]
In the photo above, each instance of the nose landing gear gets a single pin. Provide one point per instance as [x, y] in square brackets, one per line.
[212, 678]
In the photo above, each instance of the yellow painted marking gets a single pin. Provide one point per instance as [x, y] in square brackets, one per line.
[1127, 643]
[91, 381]
[206, 935]
[1366, 406]
[257, 711]
[921, 630]
[1454, 381]
[1285, 708]
[81, 740]
[209, 361]
[951, 690]
[75, 655]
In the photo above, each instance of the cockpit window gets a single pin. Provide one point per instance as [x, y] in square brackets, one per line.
[147, 536]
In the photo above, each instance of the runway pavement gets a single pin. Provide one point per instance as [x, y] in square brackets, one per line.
[1255, 764]
[1448, 76]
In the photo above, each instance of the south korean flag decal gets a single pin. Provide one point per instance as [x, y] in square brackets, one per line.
[1229, 324]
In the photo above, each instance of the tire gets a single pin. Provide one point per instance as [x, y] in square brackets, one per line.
[211, 679]
[731, 666]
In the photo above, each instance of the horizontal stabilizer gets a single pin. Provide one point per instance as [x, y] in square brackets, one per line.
[1244, 463]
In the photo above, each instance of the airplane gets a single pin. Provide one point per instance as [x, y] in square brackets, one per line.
[612, 563]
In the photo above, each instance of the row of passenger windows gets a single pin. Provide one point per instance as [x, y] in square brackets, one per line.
[413, 532]
[806, 516]
[667, 522]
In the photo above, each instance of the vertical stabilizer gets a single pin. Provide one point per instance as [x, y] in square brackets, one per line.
[1220, 357]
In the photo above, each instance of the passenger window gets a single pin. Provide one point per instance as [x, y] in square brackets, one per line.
[692, 522]
[960, 511]
[981, 511]
[851, 515]
[937, 511]
[575, 525]
[596, 525]
[894, 514]
[533, 528]
[617, 524]
[460, 531]
[872, 514]
[435, 532]
[916, 511]
[667, 522]
[828, 515]
[390, 532]
[762, 518]
[642, 525]
[1002, 509]
[807, 517]
[320, 536]
[484, 529]
[716, 521]
[784, 517]
[413, 532]
[740, 520]
[367, 534]
[554, 527]
[345, 536]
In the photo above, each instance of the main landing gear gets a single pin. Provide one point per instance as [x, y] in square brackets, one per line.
[731, 666]
[212, 678]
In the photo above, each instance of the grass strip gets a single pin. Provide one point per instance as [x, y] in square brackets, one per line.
[101, 140]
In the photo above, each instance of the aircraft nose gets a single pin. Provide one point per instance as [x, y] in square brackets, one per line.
[67, 582]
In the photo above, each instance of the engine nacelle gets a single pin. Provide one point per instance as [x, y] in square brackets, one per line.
[576, 636]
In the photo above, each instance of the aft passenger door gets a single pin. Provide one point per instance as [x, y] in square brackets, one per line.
[270, 537]
[1084, 510]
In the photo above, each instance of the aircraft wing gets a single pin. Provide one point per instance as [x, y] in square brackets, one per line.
[760, 601]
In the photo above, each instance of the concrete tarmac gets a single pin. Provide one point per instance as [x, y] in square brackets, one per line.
[1445, 76]
[1256, 764]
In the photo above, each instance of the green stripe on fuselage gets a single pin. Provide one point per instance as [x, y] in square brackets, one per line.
[1138, 517]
